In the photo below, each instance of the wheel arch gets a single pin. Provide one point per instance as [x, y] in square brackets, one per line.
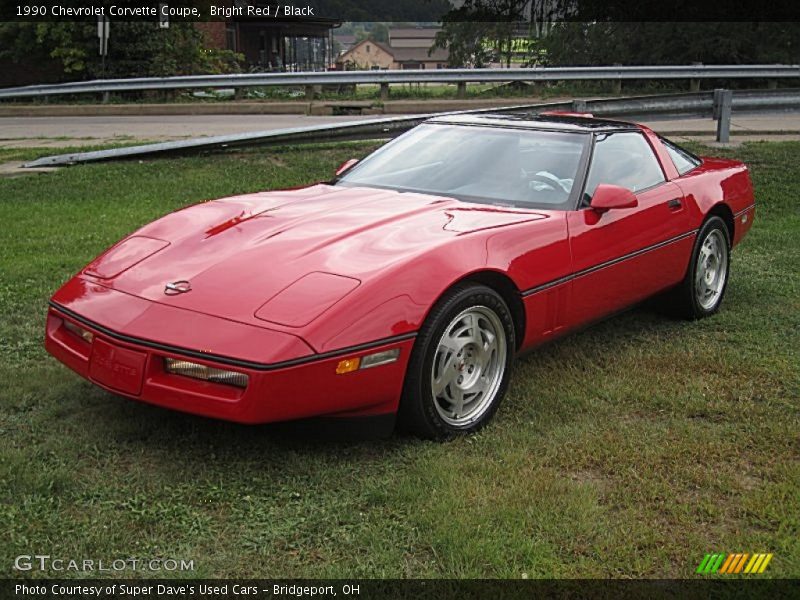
[503, 285]
[724, 212]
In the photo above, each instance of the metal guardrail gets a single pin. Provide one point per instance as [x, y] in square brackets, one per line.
[384, 78]
[718, 104]
[693, 104]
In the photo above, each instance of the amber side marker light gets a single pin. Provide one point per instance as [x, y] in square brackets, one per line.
[348, 365]
[205, 373]
[87, 336]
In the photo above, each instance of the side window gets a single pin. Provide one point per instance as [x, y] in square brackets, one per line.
[683, 160]
[624, 159]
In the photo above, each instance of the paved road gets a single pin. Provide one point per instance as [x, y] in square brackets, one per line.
[80, 131]
[83, 131]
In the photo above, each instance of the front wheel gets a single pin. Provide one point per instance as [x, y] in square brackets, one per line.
[703, 288]
[460, 366]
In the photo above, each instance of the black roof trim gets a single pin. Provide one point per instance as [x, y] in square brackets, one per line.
[533, 121]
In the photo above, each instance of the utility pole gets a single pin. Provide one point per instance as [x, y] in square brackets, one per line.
[103, 31]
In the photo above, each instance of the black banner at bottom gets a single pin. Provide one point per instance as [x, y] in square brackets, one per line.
[367, 589]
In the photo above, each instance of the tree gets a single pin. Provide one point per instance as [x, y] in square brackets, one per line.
[476, 24]
[599, 32]
[464, 41]
[372, 31]
[135, 49]
[662, 43]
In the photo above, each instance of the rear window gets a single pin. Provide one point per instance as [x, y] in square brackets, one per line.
[683, 160]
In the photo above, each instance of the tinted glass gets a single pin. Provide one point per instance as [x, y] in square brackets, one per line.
[624, 159]
[479, 164]
[683, 161]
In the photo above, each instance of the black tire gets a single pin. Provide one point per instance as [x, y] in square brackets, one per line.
[687, 299]
[418, 413]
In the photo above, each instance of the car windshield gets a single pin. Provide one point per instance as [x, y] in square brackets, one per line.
[491, 165]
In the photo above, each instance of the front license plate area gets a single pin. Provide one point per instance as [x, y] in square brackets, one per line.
[118, 368]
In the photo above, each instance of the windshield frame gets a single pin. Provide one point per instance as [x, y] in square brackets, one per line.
[570, 204]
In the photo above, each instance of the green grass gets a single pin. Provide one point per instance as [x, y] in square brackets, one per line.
[631, 449]
[22, 153]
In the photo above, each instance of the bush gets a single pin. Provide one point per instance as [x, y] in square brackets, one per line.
[135, 49]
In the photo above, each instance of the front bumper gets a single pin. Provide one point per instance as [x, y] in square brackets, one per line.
[297, 389]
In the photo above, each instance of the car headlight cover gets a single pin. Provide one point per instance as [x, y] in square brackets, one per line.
[124, 255]
[306, 299]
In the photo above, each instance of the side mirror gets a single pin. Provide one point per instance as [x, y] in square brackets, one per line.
[607, 196]
[345, 166]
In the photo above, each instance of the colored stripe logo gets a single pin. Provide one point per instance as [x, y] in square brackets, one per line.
[734, 563]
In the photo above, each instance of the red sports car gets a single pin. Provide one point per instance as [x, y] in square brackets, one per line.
[407, 284]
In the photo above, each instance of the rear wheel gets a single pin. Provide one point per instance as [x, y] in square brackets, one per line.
[703, 288]
[461, 364]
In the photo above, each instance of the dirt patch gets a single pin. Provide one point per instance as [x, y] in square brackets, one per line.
[596, 480]
[15, 169]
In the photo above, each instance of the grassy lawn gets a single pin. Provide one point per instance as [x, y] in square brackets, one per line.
[631, 449]
[22, 153]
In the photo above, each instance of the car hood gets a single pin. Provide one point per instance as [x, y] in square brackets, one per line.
[237, 254]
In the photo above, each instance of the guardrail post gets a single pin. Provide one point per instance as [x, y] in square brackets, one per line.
[579, 106]
[106, 97]
[723, 102]
[694, 84]
[461, 89]
[309, 92]
[384, 92]
[772, 84]
[616, 84]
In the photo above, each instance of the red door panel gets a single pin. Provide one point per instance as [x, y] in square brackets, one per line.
[625, 255]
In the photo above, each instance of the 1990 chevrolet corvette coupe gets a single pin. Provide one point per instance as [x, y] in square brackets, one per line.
[407, 284]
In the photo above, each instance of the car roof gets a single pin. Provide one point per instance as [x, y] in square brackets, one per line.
[525, 120]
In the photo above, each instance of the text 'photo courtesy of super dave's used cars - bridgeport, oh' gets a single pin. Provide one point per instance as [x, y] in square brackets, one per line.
[404, 287]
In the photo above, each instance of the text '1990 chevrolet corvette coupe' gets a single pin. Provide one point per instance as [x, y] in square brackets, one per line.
[407, 284]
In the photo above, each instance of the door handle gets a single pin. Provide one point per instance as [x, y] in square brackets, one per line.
[675, 204]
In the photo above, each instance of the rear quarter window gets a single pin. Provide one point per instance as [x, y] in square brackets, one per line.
[683, 160]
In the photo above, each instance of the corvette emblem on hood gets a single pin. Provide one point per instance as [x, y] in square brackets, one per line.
[177, 287]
